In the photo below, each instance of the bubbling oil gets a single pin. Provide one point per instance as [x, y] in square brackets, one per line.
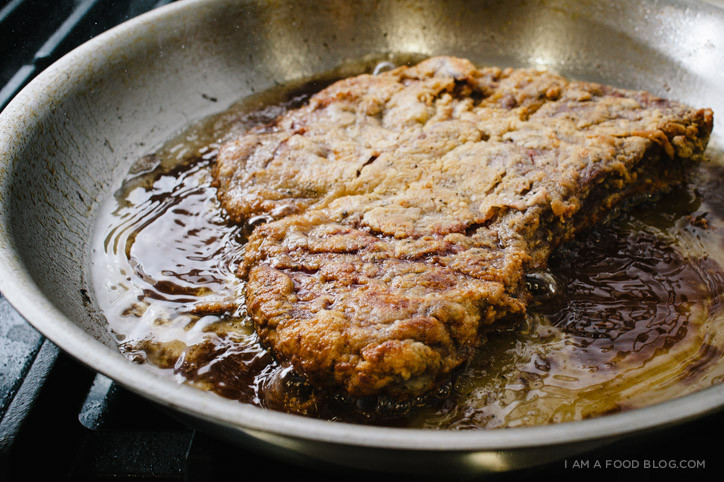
[627, 315]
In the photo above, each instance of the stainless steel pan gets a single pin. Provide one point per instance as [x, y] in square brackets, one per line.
[69, 137]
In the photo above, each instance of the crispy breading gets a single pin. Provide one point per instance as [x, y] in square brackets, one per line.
[408, 206]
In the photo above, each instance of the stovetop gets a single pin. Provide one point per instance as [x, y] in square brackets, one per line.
[61, 421]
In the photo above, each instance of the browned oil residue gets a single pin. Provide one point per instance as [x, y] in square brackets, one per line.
[632, 316]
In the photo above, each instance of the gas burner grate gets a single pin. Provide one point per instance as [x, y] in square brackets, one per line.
[36, 33]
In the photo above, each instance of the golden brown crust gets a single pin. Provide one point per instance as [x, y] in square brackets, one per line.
[410, 205]
[352, 310]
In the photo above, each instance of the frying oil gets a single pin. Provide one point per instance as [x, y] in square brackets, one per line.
[633, 315]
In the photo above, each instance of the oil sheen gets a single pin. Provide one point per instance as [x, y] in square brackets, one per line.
[627, 315]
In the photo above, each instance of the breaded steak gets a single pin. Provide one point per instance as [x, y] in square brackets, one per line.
[407, 207]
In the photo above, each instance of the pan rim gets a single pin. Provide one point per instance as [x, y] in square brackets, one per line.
[24, 295]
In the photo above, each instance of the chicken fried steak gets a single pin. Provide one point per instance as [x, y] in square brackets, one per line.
[407, 207]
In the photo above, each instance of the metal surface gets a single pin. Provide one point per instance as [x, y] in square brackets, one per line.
[68, 138]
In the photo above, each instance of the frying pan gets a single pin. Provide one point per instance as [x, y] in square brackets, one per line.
[67, 140]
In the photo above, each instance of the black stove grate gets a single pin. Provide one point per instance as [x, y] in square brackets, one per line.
[60, 421]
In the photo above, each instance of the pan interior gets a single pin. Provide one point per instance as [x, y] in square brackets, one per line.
[625, 316]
